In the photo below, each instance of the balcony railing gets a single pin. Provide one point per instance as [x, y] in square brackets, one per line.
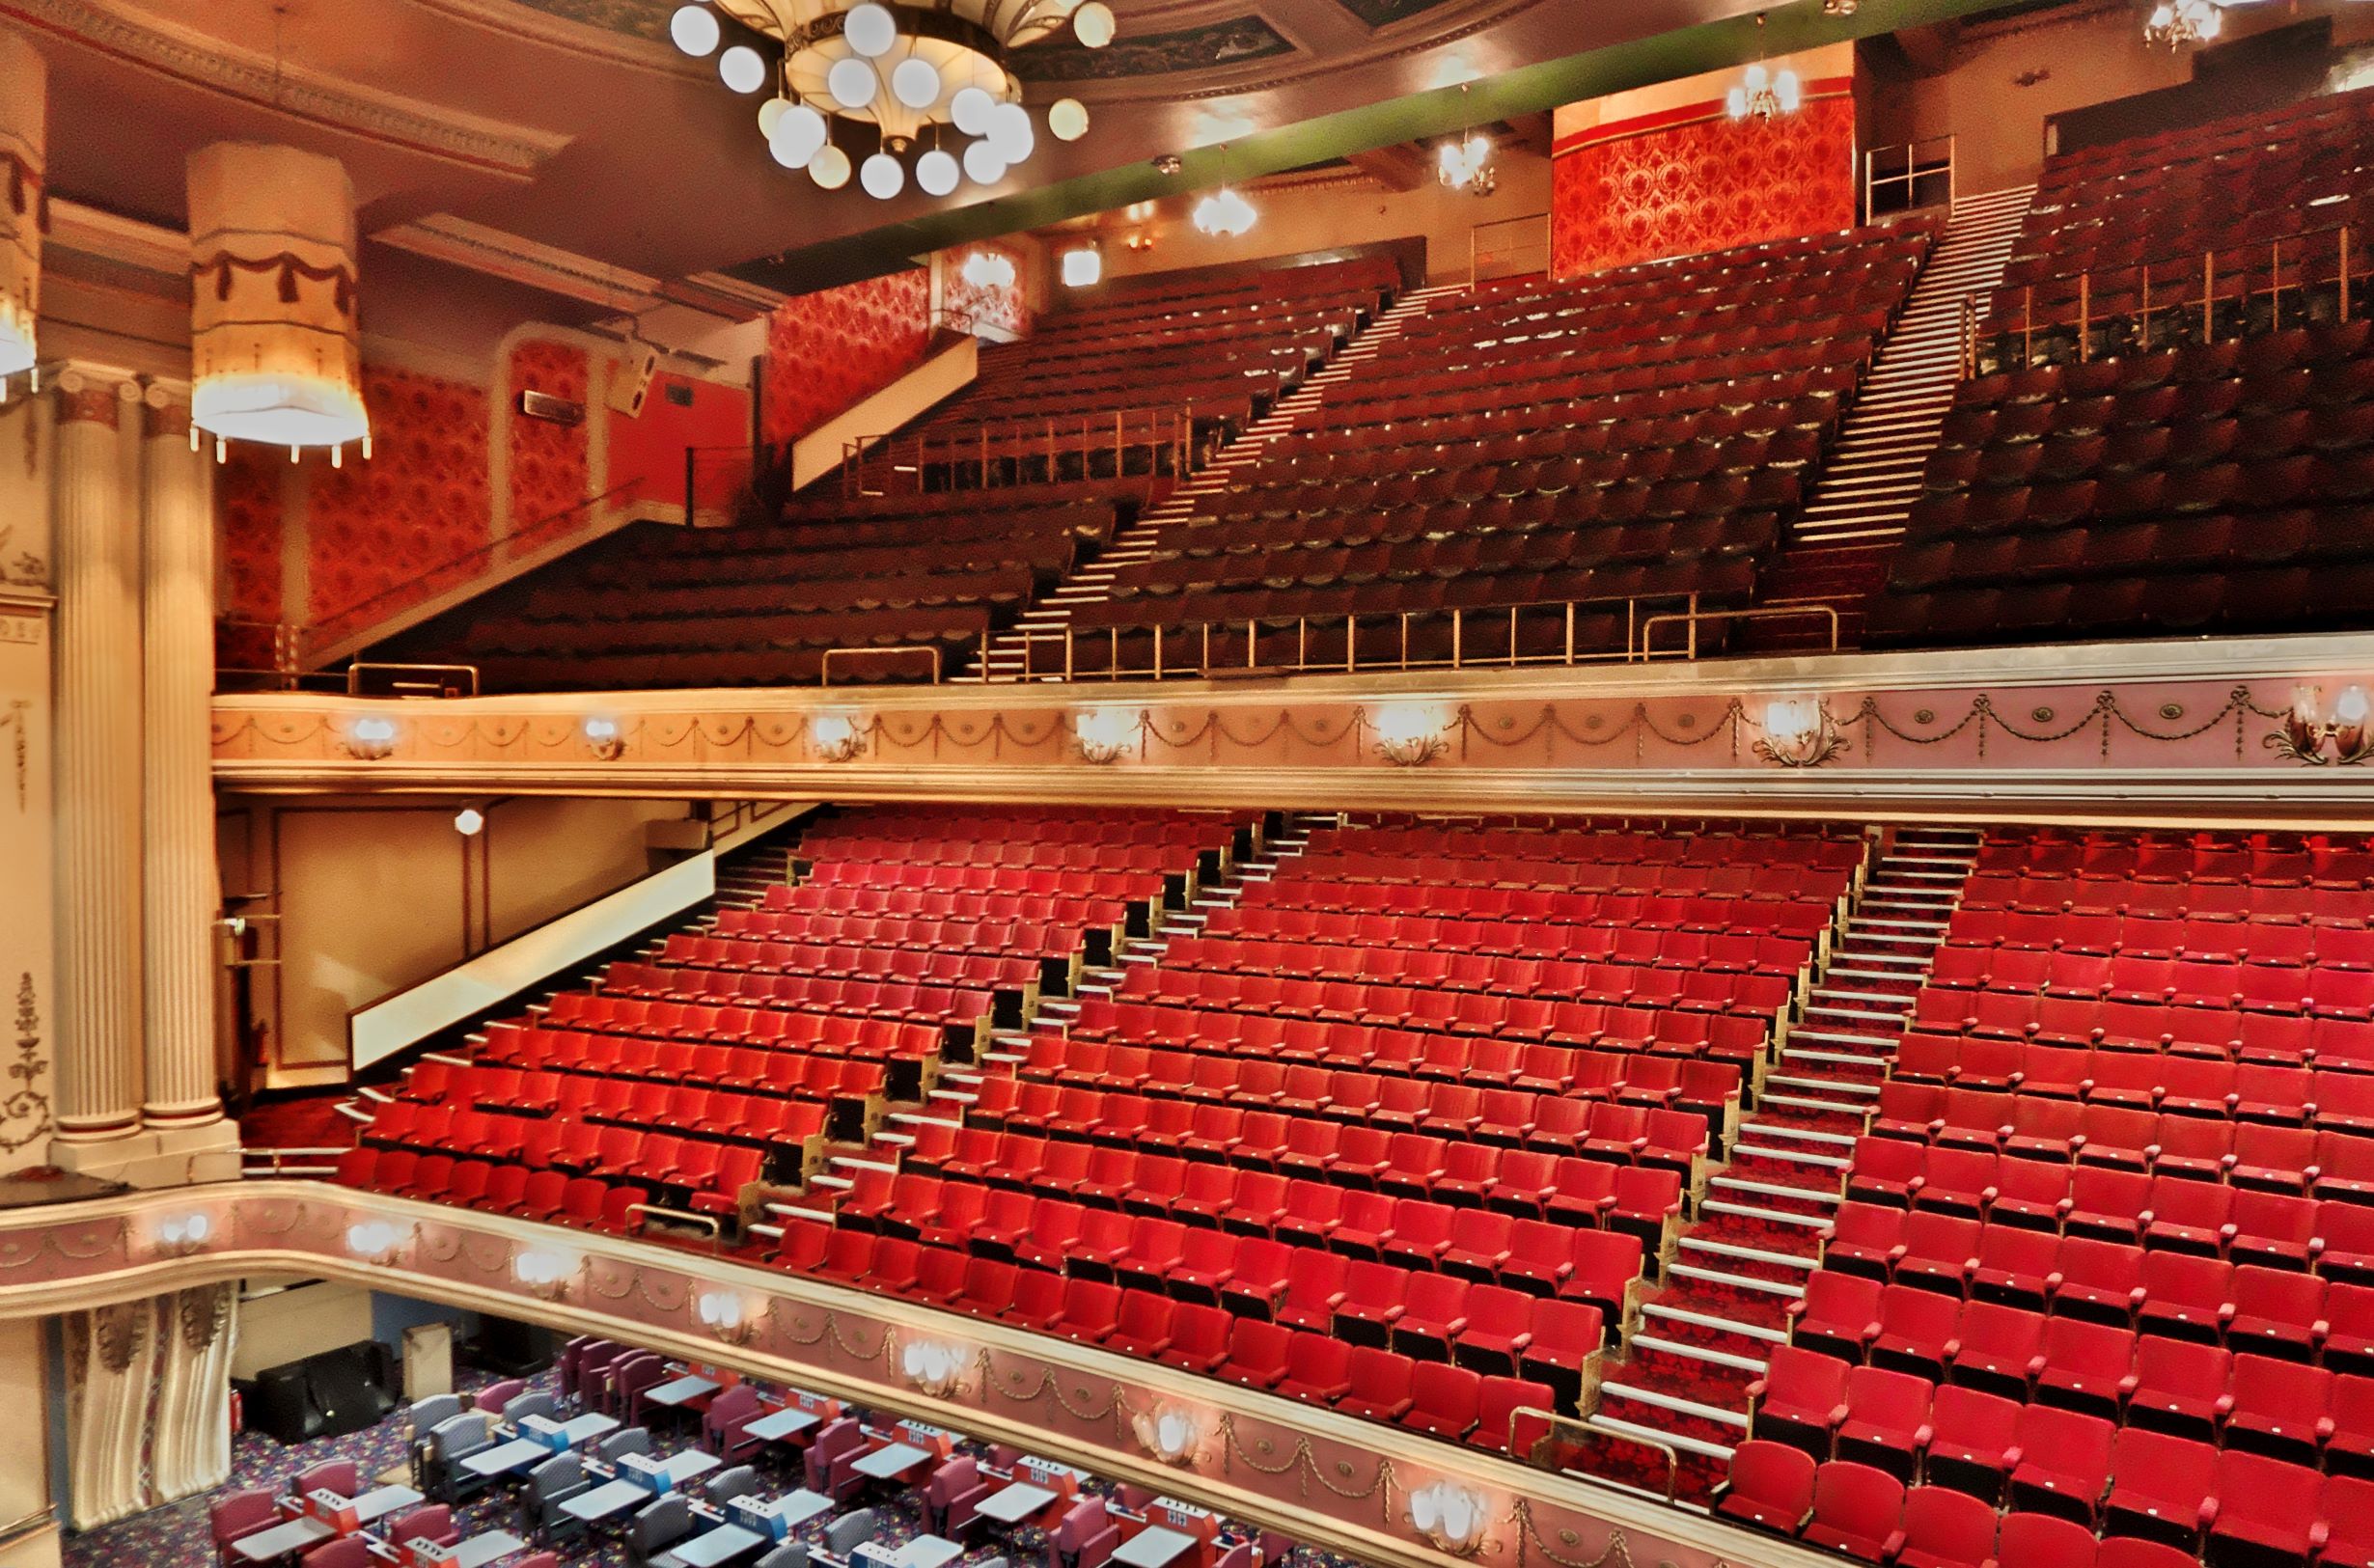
[1114, 443]
[1907, 178]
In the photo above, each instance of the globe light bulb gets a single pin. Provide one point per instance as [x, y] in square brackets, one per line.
[740, 68]
[937, 173]
[1091, 23]
[1012, 133]
[695, 30]
[797, 137]
[829, 168]
[983, 163]
[871, 29]
[851, 82]
[970, 110]
[883, 177]
[1067, 119]
[916, 83]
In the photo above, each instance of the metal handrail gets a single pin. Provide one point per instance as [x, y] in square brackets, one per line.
[1157, 427]
[1475, 253]
[1914, 172]
[1199, 635]
[825, 674]
[1696, 617]
[354, 677]
[1558, 1423]
[2183, 302]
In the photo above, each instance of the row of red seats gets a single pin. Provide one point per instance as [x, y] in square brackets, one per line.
[864, 854]
[542, 1140]
[2316, 903]
[1274, 937]
[642, 1091]
[2100, 1281]
[538, 1048]
[1748, 883]
[2255, 1509]
[2293, 1037]
[1228, 1155]
[763, 1007]
[972, 971]
[1031, 939]
[2032, 1126]
[1438, 1397]
[2185, 982]
[2196, 851]
[1564, 970]
[551, 1196]
[853, 836]
[911, 903]
[1536, 906]
[1737, 1038]
[711, 1170]
[2245, 1223]
[1409, 1283]
[2201, 1086]
[1019, 878]
[1999, 931]
[1413, 1002]
[1519, 462]
[1691, 1073]
[1612, 845]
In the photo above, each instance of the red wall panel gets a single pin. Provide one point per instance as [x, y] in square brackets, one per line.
[1693, 179]
[828, 349]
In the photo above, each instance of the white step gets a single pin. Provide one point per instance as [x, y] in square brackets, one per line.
[1615, 1427]
[1707, 1320]
[1701, 1352]
[1737, 1282]
[1676, 1404]
[1740, 1150]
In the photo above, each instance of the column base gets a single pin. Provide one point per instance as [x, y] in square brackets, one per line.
[157, 1156]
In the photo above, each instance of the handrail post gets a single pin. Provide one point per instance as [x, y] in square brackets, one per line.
[1351, 642]
[1513, 637]
[1570, 631]
[2086, 302]
[2146, 344]
[2209, 295]
[1458, 630]
[1157, 651]
[2345, 272]
[2027, 328]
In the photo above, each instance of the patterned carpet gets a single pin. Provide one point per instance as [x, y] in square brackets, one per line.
[176, 1536]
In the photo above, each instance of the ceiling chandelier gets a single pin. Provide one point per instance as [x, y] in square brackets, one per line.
[1465, 164]
[930, 86]
[1224, 214]
[2175, 23]
[1763, 94]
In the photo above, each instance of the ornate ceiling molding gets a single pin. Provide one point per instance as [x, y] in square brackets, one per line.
[193, 57]
[477, 247]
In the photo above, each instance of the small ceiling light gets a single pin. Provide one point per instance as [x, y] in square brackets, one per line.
[1082, 269]
[829, 168]
[2175, 23]
[970, 110]
[988, 270]
[983, 163]
[695, 30]
[469, 821]
[1067, 119]
[1763, 94]
[883, 177]
[798, 136]
[937, 173]
[871, 29]
[1011, 132]
[1225, 213]
[740, 68]
[851, 82]
[1091, 23]
[916, 83]
[770, 114]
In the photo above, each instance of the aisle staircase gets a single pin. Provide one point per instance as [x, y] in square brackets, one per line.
[1839, 550]
[1703, 1336]
[1050, 618]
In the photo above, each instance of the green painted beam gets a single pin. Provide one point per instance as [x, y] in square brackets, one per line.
[1615, 69]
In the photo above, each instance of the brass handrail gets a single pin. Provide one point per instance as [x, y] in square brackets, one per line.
[1199, 635]
[825, 673]
[1155, 427]
[1694, 619]
[1558, 1423]
[2238, 260]
[354, 677]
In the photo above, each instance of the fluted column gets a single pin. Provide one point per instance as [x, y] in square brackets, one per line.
[181, 891]
[100, 1078]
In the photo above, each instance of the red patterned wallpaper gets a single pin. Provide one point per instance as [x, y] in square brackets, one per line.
[826, 351]
[250, 488]
[1004, 307]
[550, 467]
[1693, 180]
[404, 517]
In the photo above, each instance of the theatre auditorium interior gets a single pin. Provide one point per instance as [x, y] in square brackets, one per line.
[1186, 784]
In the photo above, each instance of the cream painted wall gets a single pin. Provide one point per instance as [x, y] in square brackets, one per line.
[1707, 87]
[1358, 213]
[24, 1438]
[286, 1320]
[373, 895]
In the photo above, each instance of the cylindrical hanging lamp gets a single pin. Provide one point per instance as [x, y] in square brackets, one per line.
[23, 113]
[274, 342]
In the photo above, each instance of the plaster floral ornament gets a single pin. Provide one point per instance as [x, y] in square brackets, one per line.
[933, 1367]
[1449, 1516]
[1169, 1433]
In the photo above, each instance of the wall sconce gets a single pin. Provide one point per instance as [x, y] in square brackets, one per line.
[1103, 734]
[932, 1366]
[835, 737]
[469, 821]
[182, 1234]
[370, 738]
[545, 1274]
[373, 1241]
[719, 1311]
[603, 739]
[1449, 1516]
[2305, 734]
[1799, 733]
[1407, 735]
[1083, 267]
[1169, 1434]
